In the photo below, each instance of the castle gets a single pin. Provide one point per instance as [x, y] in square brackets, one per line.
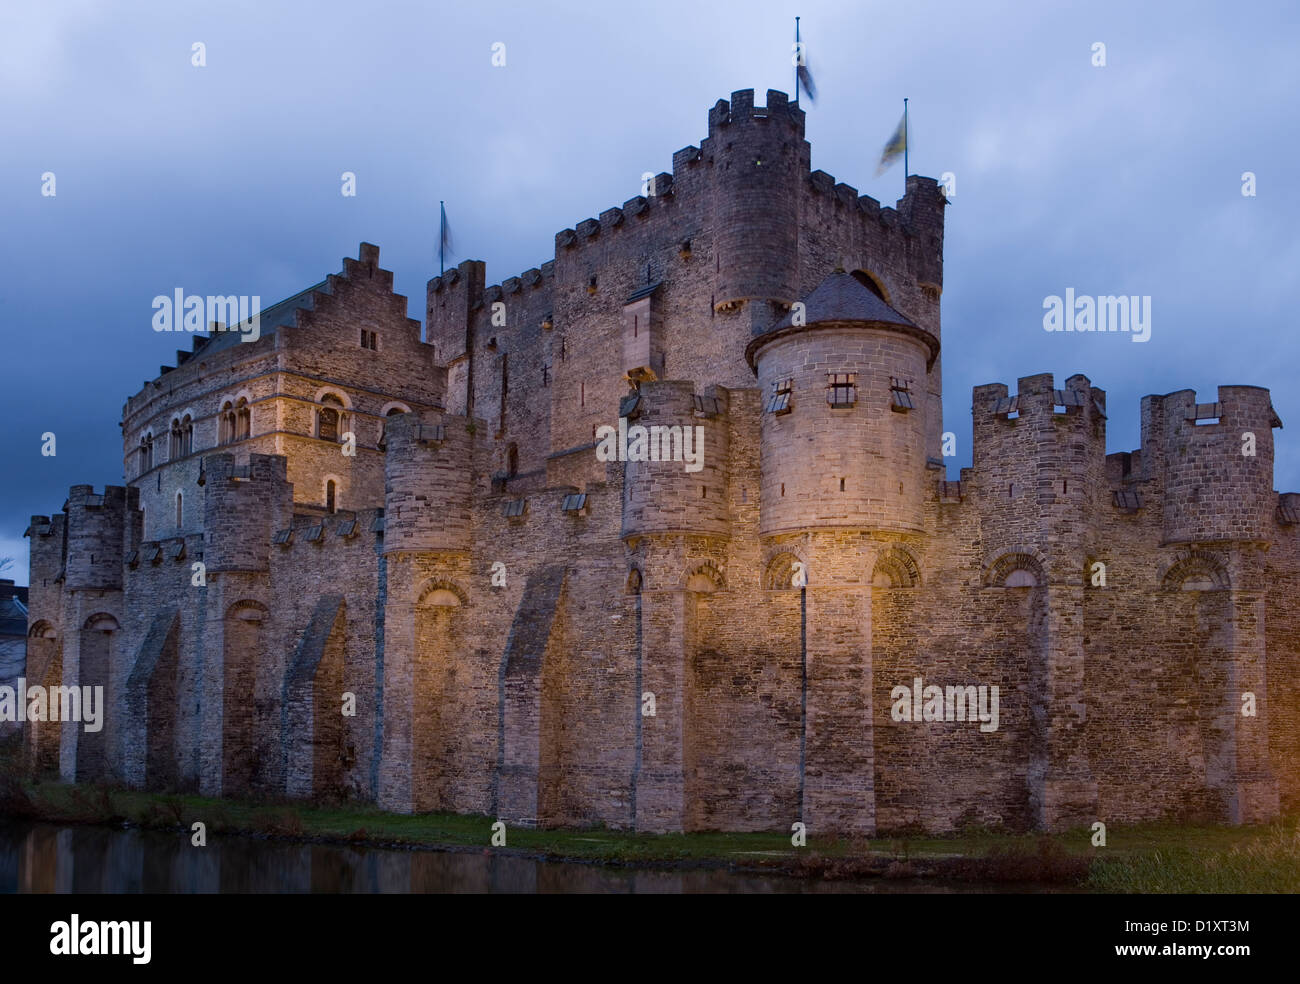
[351, 562]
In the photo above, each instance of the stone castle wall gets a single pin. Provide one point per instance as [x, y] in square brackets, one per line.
[528, 631]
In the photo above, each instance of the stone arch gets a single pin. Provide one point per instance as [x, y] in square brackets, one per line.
[226, 421]
[41, 629]
[101, 622]
[873, 283]
[319, 743]
[187, 418]
[98, 642]
[244, 640]
[335, 392]
[174, 446]
[235, 417]
[1017, 568]
[248, 611]
[151, 701]
[144, 455]
[326, 481]
[436, 593]
[780, 571]
[393, 407]
[331, 418]
[441, 676]
[704, 578]
[1196, 570]
[895, 568]
[44, 669]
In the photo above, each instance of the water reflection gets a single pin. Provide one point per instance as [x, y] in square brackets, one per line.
[48, 858]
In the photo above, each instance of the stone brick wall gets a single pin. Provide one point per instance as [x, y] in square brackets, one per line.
[651, 658]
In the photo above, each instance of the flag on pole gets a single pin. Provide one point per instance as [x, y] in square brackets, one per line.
[805, 76]
[896, 147]
[444, 241]
[802, 74]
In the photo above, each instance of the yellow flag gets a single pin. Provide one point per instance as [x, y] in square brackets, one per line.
[895, 148]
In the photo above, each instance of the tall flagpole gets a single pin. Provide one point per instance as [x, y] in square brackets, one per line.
[797, 55]
[907, 140]
[442, 236]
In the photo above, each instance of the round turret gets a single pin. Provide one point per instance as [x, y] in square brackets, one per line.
[677, 446]
[843, 425]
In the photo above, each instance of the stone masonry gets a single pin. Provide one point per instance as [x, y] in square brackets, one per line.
[365, 558]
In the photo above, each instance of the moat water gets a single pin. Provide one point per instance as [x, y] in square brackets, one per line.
[49, 858]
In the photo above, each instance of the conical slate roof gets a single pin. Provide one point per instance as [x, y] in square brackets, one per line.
[841, 297]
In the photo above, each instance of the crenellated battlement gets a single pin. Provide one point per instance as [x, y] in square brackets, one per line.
[1077, 401]
[431, 459]
[724, 116]
[675, 442]
[1212, 463]
[242, 505]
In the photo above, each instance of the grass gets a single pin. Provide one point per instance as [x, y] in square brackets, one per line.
[1269, 862]
[1146, 858]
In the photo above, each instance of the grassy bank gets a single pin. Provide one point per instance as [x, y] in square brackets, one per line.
[1145, 858]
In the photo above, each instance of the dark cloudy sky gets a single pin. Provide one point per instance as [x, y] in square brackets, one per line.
[226, 178]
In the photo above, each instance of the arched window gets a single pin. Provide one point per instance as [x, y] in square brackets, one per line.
[331, 497]
[179, 511]
[512, 461]
[243, 420]
[144, 455]
[396, 410]
[174, 448]
[187, 436]
[226, 423]
[328, 418]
